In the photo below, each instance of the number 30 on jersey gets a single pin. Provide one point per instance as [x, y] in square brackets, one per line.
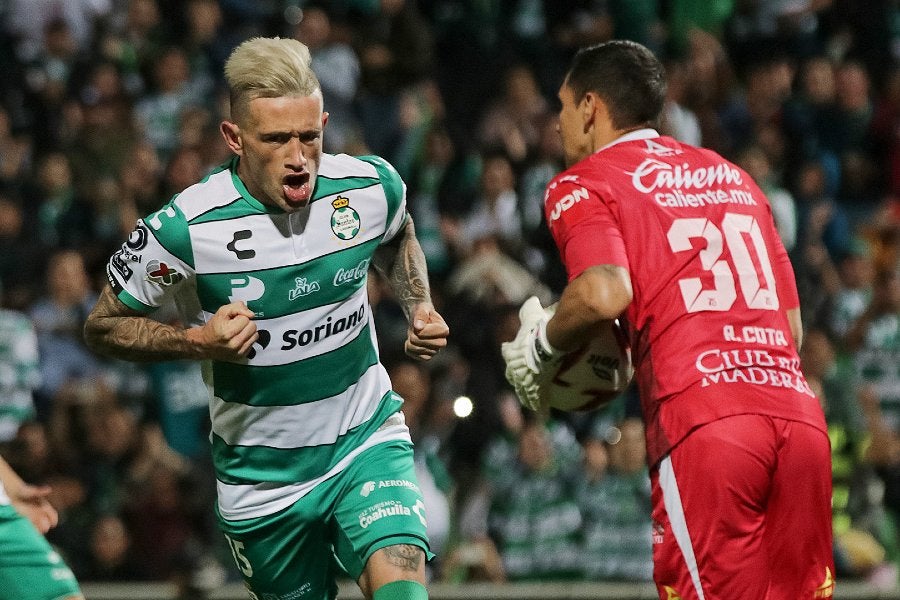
[754, 269]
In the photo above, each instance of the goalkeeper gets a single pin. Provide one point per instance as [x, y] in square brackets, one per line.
[681, 245]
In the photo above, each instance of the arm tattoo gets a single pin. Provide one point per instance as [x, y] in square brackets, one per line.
[403, 263]
[115, 330]
[405, 556]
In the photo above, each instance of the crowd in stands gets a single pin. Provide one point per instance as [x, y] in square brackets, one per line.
[110, 107]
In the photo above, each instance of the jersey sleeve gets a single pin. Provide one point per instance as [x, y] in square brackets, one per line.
[394, 192]
[154, 262]
[583, 226]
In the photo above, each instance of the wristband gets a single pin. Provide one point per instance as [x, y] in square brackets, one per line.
[543, 350]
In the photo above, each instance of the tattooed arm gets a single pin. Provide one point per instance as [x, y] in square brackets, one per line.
[402, 262]
[115, 330]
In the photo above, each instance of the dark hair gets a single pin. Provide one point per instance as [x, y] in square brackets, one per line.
[628, 78]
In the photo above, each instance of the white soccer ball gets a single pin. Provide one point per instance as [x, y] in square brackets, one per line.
[590, 377]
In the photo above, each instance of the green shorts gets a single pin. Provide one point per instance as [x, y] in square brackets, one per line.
[298, 552]
[29, 567]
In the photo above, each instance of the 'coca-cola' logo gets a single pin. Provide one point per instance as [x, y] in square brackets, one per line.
[350, 275]
[653, 175]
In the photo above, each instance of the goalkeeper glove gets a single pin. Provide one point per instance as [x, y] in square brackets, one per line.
[530, 354]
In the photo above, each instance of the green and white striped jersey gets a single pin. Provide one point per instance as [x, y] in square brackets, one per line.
[312, 393]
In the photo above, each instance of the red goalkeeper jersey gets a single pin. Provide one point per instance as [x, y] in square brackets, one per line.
[712, 281]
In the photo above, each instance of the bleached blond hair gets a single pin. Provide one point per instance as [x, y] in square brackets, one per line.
[264, 67]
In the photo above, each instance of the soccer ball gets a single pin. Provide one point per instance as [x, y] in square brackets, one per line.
[590, 377]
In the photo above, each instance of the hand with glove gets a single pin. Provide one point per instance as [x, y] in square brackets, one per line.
[529, 356]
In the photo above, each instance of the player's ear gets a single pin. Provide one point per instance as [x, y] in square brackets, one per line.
[232, 135]
[589, 106]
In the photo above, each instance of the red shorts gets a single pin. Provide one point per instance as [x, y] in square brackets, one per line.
[742, 511]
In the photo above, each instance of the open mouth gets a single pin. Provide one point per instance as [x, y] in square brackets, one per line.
[296, 188]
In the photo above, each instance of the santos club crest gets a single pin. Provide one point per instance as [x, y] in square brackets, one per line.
[344, 220]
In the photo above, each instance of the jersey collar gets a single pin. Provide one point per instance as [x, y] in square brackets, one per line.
[638, 134]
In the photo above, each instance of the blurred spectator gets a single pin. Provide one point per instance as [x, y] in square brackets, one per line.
[467, 56]
[207, 41]
[49, 75]
[533, 517]
[19, 371]
[678, 120]
[753, 160]
[395, 52]
[810, 112]
[16, 151]
[58, 317]
[710, 84]
[103, 132]
[336, 65]
[856, 270]
[489, 277]
[180, 407]
[513, 121]
[614, 496]
[175, 89]
[28, 20]
[109, 553]
[874, 338]
[133, 35]
[64, 217]
[21, 256]
[885, 133]
[496, 210]
[823, 233]
[858, 520]
[141, 181]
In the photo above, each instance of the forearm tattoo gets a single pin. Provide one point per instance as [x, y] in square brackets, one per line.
[409, 277]
[403, 263]
[115, 330]
[405, 556]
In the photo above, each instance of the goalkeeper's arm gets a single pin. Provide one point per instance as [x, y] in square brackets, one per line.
[599, 293]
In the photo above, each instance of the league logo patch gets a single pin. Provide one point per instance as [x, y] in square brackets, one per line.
[345, 220]
[160, 273]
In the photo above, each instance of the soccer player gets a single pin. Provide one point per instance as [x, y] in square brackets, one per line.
[681, 244]
[29, 567]
[267, 259]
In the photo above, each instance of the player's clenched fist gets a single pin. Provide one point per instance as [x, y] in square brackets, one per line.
[427, 333]
[229, 334]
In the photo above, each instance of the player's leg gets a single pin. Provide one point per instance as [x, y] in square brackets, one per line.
[287, 554]
[29, 568]
[709, 499]
[381, 520]
[798, 534]
[395, 573]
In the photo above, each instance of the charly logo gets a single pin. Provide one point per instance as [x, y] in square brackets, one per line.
[303, 288]
[658, 149]
[239, 236]
[356, 273]
[345, 220]
[246, 288]
[162, 274]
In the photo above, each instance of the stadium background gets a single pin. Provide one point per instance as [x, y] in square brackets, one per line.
[109, 107]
